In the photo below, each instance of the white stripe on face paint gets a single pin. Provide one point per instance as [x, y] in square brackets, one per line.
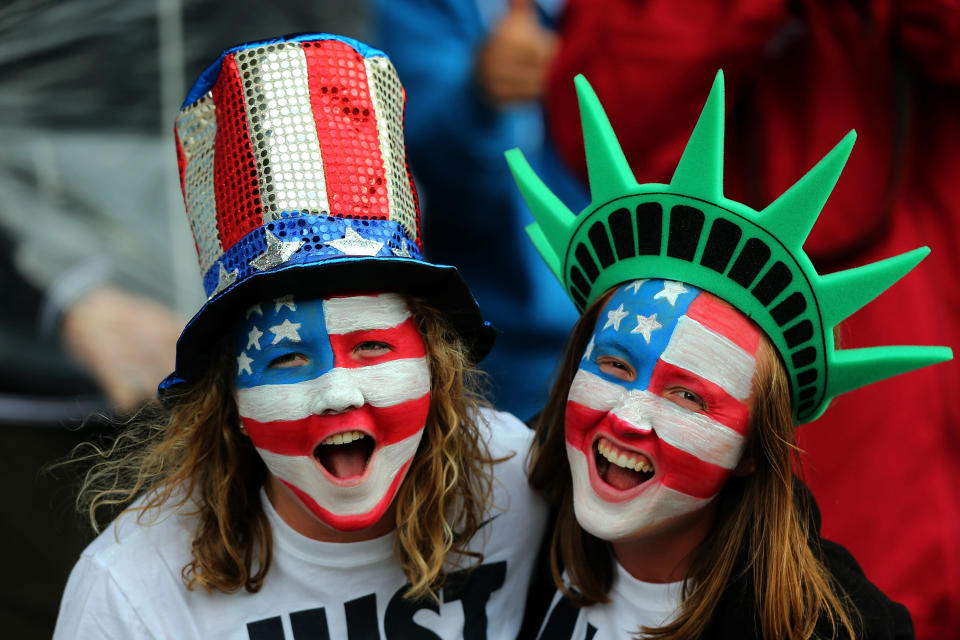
[619, 520]
[363, 313]
[711, 356]
[380, 385]
[694, 433]
[304, 473]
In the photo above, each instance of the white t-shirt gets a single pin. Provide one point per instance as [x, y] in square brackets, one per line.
[127, 583]
[633, 604]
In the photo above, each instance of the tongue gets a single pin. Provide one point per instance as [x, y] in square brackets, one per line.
[344, 460]
[622, 479]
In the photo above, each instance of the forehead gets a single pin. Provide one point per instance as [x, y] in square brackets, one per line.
[333, 314]
[647, 321]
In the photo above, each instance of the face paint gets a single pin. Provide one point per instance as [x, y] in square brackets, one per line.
[334, 394]
[657, 414]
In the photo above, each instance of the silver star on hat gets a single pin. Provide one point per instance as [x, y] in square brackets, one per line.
[277, 252]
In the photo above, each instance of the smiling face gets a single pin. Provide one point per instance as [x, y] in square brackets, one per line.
[657, 414]
[334, 394]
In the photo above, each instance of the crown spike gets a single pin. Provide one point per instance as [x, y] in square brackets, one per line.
[545, 250]
[700, 170]
[554, 220]
[842, 293]
[608, 171]
[791, 216]
[855, 368]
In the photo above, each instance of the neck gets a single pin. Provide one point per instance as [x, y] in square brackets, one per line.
[300, 519]
[666, 555]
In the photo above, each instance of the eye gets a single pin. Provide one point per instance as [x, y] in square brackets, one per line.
[371, 349]
[288, 361]
[686, 399]
[616, 367]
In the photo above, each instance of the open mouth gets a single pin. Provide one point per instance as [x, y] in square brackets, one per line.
[622, 469]
[345, 454]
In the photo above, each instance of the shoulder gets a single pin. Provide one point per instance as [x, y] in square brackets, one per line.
[119, 576]
[503, 432]
[881, 616]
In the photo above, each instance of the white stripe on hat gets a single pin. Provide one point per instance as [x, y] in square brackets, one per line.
[384, 311]
[380, 385]
[384, 85]
[197, 132]
[694, 433]
[712, 356]
[282, 129]
[301, 471]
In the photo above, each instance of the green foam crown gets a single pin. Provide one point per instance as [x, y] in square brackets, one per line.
[688, 231]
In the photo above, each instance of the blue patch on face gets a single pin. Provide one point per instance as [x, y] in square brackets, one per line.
[635, 312]
[280, 327]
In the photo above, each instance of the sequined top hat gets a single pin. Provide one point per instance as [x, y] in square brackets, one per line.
[688, 231]
[294, 175]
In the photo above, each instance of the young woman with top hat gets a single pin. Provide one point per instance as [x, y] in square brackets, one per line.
[322, 465]
[667, 444]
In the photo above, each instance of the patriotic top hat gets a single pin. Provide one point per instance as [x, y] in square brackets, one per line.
[295, 180]
[688, 231]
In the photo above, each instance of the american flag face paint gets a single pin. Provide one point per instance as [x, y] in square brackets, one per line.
[334, 394]
[657, 414]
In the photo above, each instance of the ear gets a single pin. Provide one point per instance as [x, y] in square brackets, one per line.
[745, 467]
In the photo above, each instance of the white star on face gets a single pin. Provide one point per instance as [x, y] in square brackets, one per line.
[285, 329]
[243, 363]
[589, 351]
[225, 279]
[353, 244]
[646, 325]
[284, 301]
[671, 290]
[253, 338]
[402, 251]
[277, 252]
[635, 285]
[614, 317]
[255, 309]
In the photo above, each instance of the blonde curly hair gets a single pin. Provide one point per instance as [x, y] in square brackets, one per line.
[191, 451]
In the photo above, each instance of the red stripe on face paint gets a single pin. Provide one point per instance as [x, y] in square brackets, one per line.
[387, 425]
[347, 130]
[721, 318]
[721, 406]
[674, 468]
[404, 341]
[360, 520]
[235, 184]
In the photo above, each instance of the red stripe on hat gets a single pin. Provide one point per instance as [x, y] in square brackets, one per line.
[404, 341]
[675, 468]
[387, 425]
[719, 317]
[347, 130]
[721, 406]
[235, 184]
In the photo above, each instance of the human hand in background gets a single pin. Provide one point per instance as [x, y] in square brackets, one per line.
[127, 342]
[512, 65]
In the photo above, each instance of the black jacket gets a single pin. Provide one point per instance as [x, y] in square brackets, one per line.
[736, 613]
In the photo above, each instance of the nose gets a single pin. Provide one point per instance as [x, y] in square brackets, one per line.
[637, 407]
[337, 392]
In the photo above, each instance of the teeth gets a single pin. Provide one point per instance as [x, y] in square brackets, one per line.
[343, 438]
[621, 459]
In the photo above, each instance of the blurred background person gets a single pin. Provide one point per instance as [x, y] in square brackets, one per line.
[887, 454]
[474, 72]
[97, 266]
